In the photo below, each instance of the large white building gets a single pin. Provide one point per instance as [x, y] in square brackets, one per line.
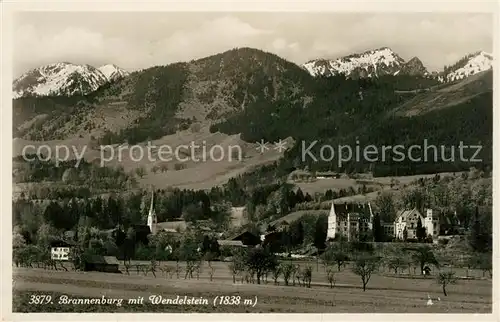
[408, 220]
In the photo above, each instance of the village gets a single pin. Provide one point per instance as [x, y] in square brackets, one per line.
[346, 223]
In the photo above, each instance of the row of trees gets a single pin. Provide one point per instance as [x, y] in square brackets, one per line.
[367, 259]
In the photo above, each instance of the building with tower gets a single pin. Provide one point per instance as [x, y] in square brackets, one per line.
[152, 219]
[431, 223]
[350, 221]
[406, 223]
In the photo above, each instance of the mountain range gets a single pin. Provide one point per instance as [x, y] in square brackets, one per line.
[372, 63]
[384, 61]
[65, 79]
[261, 96]
[70, 79]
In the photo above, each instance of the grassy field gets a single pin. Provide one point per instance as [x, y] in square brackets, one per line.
[377, 183]
[199, 173]
[384, 294]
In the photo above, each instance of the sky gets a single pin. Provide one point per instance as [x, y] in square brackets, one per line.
[141, 39]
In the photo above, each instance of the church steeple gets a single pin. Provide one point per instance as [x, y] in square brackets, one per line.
[152, 220]
[332, 223]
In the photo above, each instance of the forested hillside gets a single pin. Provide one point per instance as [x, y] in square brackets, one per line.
[264, 97]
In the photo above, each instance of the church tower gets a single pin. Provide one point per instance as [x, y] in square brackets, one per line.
[152, 220]
[431, 223]
[332, 224]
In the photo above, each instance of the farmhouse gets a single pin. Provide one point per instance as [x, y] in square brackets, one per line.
[60, 249]
[247, 238]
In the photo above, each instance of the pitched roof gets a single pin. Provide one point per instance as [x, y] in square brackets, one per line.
[406, 213]
[111, 260]
[168, 230]
[181, 225]
[341, 210]
[62, 243]
[98, 259]
[234, 236]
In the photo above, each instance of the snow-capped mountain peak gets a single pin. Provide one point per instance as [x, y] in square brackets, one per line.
[469, 65]
[113, 72]
[63, 79]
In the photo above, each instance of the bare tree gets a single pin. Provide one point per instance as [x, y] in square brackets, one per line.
[396, 263]
[307, 276]
[276, 274]
[212, 271]
[330, 275]
[364, 266]
[287, 270]
[446, 278]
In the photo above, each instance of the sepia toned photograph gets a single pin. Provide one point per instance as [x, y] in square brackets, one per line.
[252, 162]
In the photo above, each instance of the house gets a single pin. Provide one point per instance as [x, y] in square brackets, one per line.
[108, 264]
[349, 220]
[247, 238]
[60, 249]
[449, 224]
[407, 220]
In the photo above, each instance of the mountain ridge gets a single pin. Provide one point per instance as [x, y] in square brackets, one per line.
[85, 79]
[369, 63]
[384, 61]
[261, 96]
[469, 65]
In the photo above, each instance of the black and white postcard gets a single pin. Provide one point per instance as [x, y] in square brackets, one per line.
[317, 158]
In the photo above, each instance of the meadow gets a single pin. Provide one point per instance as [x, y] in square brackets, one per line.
[386, 292]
